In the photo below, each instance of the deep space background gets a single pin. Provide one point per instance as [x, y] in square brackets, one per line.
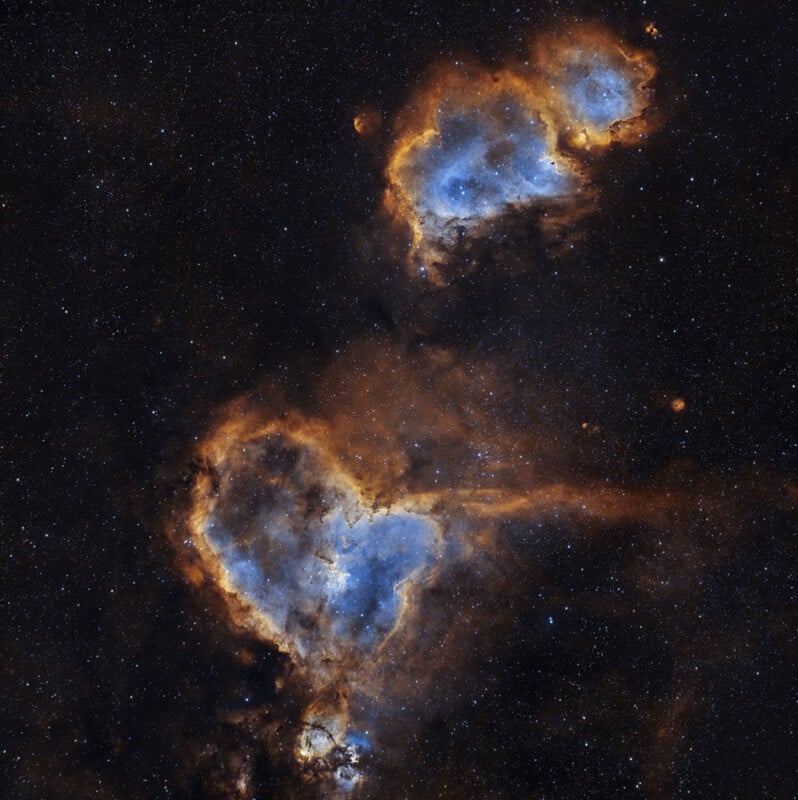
[187, 207]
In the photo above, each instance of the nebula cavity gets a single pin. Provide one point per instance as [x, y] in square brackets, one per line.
[313, 563]
[475, 144]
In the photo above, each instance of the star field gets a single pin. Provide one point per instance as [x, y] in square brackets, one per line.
[398, 402]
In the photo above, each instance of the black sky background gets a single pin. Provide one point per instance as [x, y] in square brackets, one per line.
[183, 202]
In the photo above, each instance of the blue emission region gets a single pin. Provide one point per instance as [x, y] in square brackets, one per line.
[375, 556]
[486, 159]
[332, 585]
[600, 94]
[359, 741]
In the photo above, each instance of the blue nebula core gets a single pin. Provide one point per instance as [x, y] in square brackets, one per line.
[599, 93]
[375, 556]
[330, 585]
[484, 160]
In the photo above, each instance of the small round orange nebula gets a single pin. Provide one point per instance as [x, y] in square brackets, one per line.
[367, 122]
[678, 405]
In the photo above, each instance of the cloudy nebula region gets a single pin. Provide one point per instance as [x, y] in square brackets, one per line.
[476, 143]
[328, 533]
[411, 485]
[398, 402]
[312, 564]
[392, 528]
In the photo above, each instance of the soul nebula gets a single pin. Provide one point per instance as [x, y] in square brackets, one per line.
[475, 143]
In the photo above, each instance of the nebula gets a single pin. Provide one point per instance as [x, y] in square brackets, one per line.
[317, 566]
[599, 86]
[367, 122]
[483, 147]
[326, 531]
[475, 144]
[397, 402]
[311, 564]
[345, 534]
[381, 527]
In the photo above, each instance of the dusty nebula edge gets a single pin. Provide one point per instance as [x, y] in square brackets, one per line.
[343, 533]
